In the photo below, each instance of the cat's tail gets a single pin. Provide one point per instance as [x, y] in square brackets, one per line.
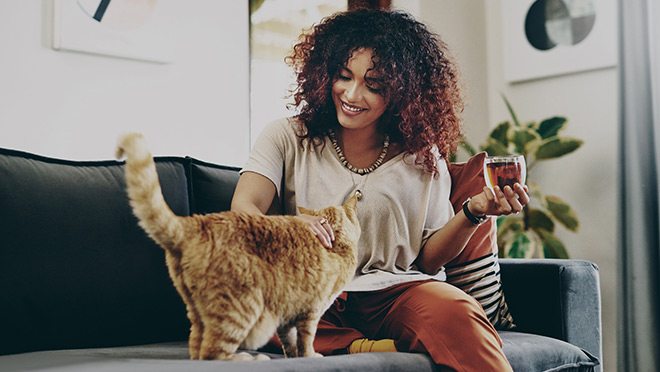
[145, 194]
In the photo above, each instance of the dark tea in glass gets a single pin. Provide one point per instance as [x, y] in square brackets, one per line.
[504, 170]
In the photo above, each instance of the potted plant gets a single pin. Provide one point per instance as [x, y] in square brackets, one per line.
[532, 232]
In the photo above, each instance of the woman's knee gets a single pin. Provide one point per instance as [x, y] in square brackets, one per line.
[442, 303]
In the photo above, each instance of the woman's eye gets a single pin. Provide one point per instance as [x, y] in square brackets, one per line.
[345, 78]
[375, 90]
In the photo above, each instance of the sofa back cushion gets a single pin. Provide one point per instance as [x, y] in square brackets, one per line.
[75, 268]
[212, 186]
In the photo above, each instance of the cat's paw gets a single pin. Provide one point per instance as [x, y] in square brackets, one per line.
[312, 355]
[241, 357]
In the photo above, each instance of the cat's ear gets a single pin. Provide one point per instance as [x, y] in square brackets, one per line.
[304, 210]
[351, 203]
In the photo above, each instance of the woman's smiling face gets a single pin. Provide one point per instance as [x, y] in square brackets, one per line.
[356, 92]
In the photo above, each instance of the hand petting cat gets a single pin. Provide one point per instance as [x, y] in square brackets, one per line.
[320, 227]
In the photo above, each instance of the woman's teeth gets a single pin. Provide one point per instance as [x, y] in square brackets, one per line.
[351, 108]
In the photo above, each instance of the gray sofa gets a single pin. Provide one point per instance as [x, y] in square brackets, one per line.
[83, 289]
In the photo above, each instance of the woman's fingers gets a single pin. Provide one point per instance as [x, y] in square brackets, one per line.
[322, 233]
[517, 197]
[328, 229]
[504, 206]
[523, 193]
[513, 199]
[320, 227]
[507, 200]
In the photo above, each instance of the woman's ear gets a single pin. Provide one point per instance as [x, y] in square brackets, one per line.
[351, 204]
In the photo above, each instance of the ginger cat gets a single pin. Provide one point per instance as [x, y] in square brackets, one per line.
[242, 277]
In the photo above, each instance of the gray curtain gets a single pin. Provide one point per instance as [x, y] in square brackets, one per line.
[639, 235]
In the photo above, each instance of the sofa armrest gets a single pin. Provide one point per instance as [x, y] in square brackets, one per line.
[555, 298]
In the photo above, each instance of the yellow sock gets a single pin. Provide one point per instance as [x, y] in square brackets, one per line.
[363, 345]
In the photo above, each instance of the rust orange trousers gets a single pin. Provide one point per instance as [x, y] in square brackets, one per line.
[429, 317]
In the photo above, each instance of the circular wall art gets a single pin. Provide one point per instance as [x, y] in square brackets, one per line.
[553, 22]
[542, 38]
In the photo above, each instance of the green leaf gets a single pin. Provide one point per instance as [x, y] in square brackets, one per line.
[513, 114]
[552, 246]
[539, 220]
[507, 226]
[551, 127]
[255, 5]
[522, 137]
[495, 148]
[501, 133]
[562, 212]
[518, 246]
[557, 147]
[506, 221]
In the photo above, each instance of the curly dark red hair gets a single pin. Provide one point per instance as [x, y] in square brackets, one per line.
[420, 82]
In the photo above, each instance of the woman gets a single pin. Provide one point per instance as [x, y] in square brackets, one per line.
[378, 104]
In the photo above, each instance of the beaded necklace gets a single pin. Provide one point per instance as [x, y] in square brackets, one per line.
[349, 166]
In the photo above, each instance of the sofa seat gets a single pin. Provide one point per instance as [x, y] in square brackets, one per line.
[549, 355]
[173, 357]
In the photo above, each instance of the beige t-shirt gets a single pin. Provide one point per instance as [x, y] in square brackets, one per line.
[401, 205]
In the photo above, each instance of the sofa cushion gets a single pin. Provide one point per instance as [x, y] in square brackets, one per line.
[476, 270]
[525, 352]
[556, 298]
[212, 186]
[172, 357]
[75, 268]
[533, 353]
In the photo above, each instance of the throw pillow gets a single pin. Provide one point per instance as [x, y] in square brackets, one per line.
[476, 270]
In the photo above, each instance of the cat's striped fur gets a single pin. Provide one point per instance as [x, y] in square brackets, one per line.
[243, 277]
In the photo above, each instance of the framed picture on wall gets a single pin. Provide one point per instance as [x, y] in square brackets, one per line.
[543, 38]
[134, 29]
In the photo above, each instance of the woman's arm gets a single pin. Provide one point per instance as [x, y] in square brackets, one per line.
[253, 195]
[449, 241]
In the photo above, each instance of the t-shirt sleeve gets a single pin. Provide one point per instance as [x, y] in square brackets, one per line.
[440, 210]
[269, 151]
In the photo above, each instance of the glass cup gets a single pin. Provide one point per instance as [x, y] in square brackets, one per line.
[504, 170]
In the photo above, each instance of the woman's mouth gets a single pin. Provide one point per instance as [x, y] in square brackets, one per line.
[351, 109]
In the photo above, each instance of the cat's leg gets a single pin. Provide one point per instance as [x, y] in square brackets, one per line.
[223, 345]
[227, 323]
[288, 337]
[262, 331]
[196, 325]
[196, 333]
[220, 340]
[306, 325]
[260, 334]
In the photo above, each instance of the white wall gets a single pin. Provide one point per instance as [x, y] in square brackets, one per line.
[74, 105]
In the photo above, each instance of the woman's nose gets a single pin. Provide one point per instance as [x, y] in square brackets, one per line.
[353, 91]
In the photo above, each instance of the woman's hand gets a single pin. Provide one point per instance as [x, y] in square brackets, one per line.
[502, 202]
[320, 227]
